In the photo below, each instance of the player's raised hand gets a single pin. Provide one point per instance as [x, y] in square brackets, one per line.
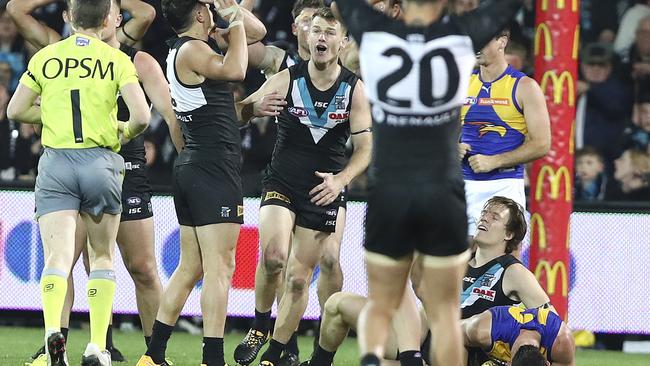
[270, 105]
[326, 192]
[229, 10]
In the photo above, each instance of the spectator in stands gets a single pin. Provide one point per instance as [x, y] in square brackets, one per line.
[597, 21]
[631, 173]
[604, 103]
[637, 134]
[257, 142]
[458, 7]
[639, 58]
[629, 23]
[517, 57]
[12, 48]
[590, 180]
[6, 75]
[158, 172]
[27, 152]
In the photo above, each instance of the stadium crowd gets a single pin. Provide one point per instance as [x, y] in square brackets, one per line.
[612, 132]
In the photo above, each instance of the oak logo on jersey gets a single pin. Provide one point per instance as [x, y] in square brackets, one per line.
[273, 195]
[298, 112]
[338, 117]
[483, 293]
[486, 127]
[93, 68]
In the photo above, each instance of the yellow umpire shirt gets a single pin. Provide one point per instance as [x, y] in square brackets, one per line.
[79, 79]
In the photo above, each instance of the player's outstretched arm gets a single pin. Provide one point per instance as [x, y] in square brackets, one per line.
[36, 33]
[361, 128]
[538, 140]
[21, 107]
[265, 58]
[268, 100]
[156, 87]
[142, 15]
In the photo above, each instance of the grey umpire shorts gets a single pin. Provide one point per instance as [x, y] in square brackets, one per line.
[86, 180]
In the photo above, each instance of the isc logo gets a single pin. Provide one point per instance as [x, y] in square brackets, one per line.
[135, 210]
[321, 104]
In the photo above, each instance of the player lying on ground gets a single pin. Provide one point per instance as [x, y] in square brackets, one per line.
[521, 337]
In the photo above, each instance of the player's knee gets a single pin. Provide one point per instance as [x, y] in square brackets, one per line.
[297, 284]
[332, 304]
[273, 261]
[329, 264]
[189, 274]
[143, 272]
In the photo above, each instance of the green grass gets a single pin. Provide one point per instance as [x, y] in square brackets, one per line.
[185, 350]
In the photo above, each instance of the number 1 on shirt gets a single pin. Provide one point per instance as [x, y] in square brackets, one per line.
[76, 116]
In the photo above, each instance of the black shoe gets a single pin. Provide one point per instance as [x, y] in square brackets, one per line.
[247, 350]
[56, 349]
[289, 359]
[41, 351]
[116, 355]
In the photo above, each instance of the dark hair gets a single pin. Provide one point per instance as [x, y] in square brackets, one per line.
[591, 151]
[301, 5]
[528, 355]
[178, 13]
[88, 14]
[325, 13]
[516, 224]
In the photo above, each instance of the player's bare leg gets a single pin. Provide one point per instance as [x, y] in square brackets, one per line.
[330, 280]
[217, 243]
[136, 241]
[276, 226]
[440, 286]
[387, 279]
[179, 287]
[305, 253]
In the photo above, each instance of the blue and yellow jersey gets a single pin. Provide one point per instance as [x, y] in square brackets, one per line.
[493, 122]
[508, 321]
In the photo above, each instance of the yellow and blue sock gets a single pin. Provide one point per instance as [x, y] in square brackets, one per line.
[101, 291]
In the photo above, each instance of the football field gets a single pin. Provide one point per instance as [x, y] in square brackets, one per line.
[185, 350]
